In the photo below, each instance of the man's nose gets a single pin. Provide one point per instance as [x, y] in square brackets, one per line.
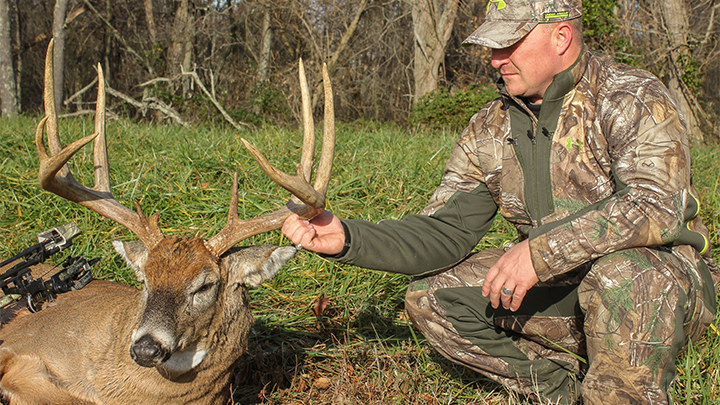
[499, 57]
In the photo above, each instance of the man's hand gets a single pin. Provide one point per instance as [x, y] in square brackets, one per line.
[514, 272]
[323, 234]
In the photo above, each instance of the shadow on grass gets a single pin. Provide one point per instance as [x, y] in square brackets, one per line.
[369, 359]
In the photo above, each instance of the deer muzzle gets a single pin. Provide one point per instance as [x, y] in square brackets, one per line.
[148, 352]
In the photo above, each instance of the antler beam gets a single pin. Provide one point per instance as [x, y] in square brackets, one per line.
[56, 177]
[311, 199]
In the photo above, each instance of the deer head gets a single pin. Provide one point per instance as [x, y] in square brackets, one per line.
[190, 284]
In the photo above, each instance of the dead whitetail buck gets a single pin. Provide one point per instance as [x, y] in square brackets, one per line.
[177, 340]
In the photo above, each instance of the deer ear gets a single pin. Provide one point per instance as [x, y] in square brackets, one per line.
[256, 264]
[135, 254]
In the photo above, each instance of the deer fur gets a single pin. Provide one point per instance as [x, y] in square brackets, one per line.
[50, 358]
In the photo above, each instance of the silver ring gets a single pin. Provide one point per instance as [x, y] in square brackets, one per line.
[298, 247]
[506, 291]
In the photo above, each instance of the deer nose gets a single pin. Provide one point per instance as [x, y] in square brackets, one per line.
[147, 352]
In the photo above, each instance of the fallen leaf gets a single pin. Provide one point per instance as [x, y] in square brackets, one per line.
[319, 306]
[322, 383]
[301, 385]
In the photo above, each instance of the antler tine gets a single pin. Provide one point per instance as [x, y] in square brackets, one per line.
[313, 199]
[328, 147]
[55, 176]
[308, 149]
[49, 104]
[100, 156]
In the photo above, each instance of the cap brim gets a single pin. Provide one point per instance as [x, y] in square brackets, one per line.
[499, 34]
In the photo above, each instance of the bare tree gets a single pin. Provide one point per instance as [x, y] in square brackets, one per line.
[676, 29]
[59, 57]
[264, 57]
[432, 25]
[17, 59]
[674, 39]
[8, 97]
[180, 50]
[341, 46]
[150, 20]
[264, 62]
[385, 54]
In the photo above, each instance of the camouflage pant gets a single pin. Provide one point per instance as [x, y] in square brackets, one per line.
[607, 333]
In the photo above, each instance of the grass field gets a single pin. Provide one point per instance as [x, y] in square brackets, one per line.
[361, 349]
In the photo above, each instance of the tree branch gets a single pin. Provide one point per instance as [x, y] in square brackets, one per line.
[224, 113]
[119, 37]
[80, 92]
[148, 103]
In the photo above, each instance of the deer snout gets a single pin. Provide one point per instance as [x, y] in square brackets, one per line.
[148, 352]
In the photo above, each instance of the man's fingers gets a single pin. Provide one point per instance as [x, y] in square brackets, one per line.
[308, 236]
[518, 297]
[290, 226]
[506, 295]
[489, 280]
[300, 232]
[496, 295]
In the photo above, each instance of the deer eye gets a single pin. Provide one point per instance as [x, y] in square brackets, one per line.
[205, 288]
[204, 296]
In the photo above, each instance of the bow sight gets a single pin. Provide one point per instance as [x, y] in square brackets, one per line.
[18, 281]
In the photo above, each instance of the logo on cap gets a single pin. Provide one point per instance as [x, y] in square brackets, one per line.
[500, 4]
[560, 14]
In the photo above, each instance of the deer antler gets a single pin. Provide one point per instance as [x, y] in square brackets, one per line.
[312, 198]
[55, 176]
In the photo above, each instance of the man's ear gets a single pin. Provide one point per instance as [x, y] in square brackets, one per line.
[563, 35]
[135, 255]
[256, 264]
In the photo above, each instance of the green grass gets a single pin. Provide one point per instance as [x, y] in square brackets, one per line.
[363, 343]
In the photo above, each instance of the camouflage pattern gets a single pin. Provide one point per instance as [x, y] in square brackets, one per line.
[523, 361]
[618, 182]
[508, 21]
[636, 303]
[617, 128]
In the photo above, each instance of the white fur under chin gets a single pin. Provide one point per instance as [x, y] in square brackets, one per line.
[184, 361]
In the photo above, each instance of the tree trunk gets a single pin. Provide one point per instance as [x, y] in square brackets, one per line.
[265, 47]
[180, 52]
[107, 43]
[433, 22]
[344, 40]
[18, 58]
[59, 52]
[8, 97]
[266, 42]
[150, 19]
[674, 15]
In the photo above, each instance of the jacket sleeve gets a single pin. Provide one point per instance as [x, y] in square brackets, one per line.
[653, 203]
[458, 215]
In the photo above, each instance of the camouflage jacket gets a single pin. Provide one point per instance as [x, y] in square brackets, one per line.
[604, 167]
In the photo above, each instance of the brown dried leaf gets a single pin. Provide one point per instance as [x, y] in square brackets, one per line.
[322, 383]
[319, 306]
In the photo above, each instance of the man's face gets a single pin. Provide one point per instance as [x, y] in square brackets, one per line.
[528, 66]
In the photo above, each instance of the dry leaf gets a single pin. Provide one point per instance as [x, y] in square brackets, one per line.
[322, 383]
[319, 306]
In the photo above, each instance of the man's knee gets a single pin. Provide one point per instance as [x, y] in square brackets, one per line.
[622, 280]
[635, 302]
[417, 300]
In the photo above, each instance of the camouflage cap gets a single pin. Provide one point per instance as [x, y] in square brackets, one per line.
[508, 21]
